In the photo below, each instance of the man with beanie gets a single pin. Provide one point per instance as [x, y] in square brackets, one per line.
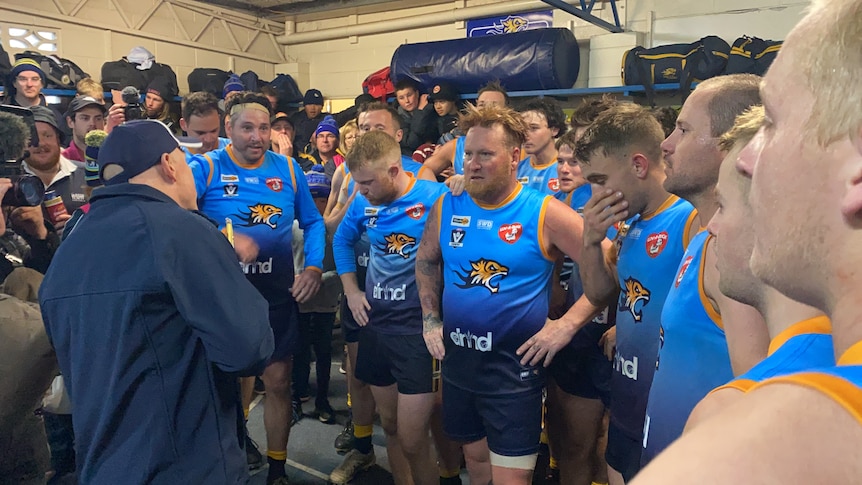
[170, 352]
[306, 121]
[445, 98]
[157, 103]
[325, 140]
[85, 115]
[316, 316]
[232, 86]
[24, 87]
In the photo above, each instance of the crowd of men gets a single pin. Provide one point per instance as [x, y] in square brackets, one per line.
[655, 302]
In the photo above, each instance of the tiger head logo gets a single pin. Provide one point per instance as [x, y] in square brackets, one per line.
[514, 24]
[398, 243]
[259, 214]
[633, 298]
[482, 273]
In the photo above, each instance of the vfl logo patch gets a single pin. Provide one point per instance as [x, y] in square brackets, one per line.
[457, 238]
[398, 243]
[634, 298]
[231, 190]
[682, 269]
[482, 273]
[655, 243]
[416, 211]
[372, 222]
[274, 184]
[510, 233]
[260, 214]
[554, 184]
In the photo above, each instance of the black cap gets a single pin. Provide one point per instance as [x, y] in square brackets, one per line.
[80, 102]
[45, 115]
[444, 92]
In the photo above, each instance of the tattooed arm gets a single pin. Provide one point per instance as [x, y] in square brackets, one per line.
[429, 281]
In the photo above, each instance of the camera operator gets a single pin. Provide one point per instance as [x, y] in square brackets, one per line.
[31, 244]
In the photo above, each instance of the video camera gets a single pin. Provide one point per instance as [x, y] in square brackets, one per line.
[27, 190]
[132, 99]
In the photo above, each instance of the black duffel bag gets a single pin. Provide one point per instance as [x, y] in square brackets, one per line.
[675, 63]
[208, 79]
[752, 55]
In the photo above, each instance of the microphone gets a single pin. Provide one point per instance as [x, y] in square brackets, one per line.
[14, 136]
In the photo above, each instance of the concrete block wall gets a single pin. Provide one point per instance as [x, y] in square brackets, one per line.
[99, 32]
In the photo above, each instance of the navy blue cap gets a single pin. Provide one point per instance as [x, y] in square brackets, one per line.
[136, 146]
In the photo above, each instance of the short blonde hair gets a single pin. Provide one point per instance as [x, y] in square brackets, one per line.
[371, 149]
[347, 129]
[89, 87]
[830, 61]
[744, 128]
[489, 116]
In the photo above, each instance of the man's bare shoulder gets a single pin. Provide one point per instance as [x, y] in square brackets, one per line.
[779, 433]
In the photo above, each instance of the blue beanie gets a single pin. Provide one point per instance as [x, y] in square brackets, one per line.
[318, 182]
[327, 125]
[233, 84]
[27, 64]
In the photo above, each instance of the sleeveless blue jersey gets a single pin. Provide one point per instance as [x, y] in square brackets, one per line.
[649, 252]
[495, 293]
[222, 143]
[394, 232]
[458, 160]
[804, 345]
[541, 178]
[842, 383]
[693, 357]
[408, 164]
[262, 202]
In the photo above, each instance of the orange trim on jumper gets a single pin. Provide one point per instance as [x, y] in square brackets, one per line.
[671, 200]
[409, 186]
[853, 355]
[438, 207]
[233, 158]
[842, 391]
[542, 167]
[505, 201]
[819, 325]
[541, 233]
[743, 385]
[707, 305]
[686, 234]
[212, 169]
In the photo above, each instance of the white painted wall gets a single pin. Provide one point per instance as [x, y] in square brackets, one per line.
[183, 34]
[337, 67]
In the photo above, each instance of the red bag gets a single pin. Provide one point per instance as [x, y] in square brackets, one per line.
[379, 84]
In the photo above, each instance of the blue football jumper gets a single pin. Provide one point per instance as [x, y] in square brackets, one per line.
[495, 293]
[542, 178]
[649, 251]
[693, 358]
[394, 231]
[803, 346]
[262, 202]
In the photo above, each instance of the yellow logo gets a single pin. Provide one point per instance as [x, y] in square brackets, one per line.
[397, 243]
[633, 298]
[259, 214]
[482, 273]
[513, 24]
[669, 73]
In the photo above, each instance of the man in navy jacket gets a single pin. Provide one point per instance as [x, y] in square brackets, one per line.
[153, 320]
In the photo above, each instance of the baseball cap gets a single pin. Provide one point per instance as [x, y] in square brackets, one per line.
[313, 96]
[45, 115]
[281, 115]
[80, 102]
[443, 92]
[318, 182]
[134, 147]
